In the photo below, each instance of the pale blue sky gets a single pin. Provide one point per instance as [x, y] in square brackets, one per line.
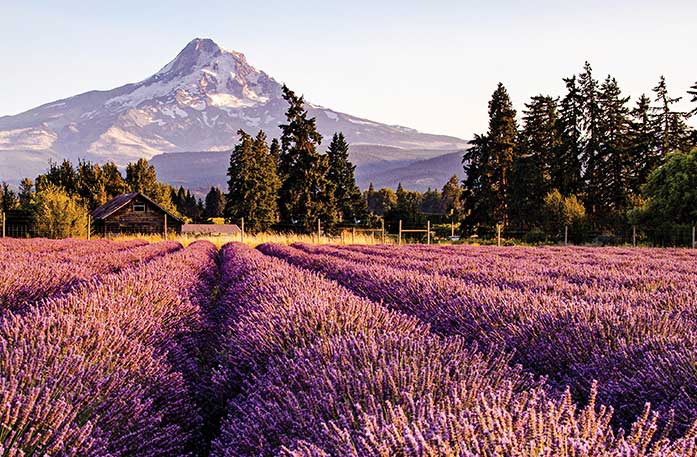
[431, 65]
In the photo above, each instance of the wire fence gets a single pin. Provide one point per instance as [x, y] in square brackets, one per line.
[19, 224]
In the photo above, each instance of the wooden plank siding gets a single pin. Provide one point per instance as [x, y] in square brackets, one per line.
[130, 219]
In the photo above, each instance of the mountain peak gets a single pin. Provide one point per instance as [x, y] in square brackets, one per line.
[202, 45]
[198, 51]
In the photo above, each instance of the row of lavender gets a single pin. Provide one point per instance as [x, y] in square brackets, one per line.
[309, 369]
[111, 368]
[571, 315]
[36, 269]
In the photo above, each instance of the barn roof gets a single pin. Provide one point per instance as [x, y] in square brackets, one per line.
[122, 200]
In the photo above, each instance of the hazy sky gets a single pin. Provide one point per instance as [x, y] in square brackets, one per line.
[431, 65]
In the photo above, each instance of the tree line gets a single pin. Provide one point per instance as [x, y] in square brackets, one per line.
[588, 156]
[59, 200]
[290, 184]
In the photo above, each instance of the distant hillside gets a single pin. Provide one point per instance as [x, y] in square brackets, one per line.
[383, 166]
[418, 175]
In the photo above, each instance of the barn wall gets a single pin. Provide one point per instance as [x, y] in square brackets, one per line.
[152, 220]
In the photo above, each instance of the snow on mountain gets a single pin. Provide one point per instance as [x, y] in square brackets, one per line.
[197, 102]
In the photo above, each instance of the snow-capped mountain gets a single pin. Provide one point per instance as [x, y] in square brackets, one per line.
[197, 102]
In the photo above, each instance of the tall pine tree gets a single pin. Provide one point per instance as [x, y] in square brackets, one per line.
[673, 131]
[215, 203]
[613, 152]
[644, 153]
[348, 199]
[566, 164]
[306, 194]
[534, 165]
[488, 164]
[253, 184]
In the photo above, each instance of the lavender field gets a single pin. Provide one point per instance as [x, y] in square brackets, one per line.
[128, 348]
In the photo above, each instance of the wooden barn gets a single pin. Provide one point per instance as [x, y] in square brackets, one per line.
[134, 213]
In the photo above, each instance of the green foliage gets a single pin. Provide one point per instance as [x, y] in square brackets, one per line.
[114, 184]
[8, 198]
[560, 211]
[381, 202]
[589, 144]
[58, 215]
[253, 184]
[26, 193]
[187, 205]
[306, 193]
[672, 190]
[535, 236]
[407, 208]
[451, 198]
[63, 176]
[215, 203]
[534, 163]
[673, 131]
[488, 164]
[141, 177]
[91, 185]
[566, 169]
[348, 199]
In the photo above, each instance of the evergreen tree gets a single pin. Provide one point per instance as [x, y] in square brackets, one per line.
[488, 164]
[91, 187]
[62, 176]
[693, 92]
[381, 202]
[673, 131]
[348, 199]
[141, 177]
[275, 151]
[643, 148]
[114, 183]
[534, 163]
[431, 202]
[451, 198]
[613, 160]
[306, 194]
[8, 198]
[253, 184]
[369, 197]
[215, 203]
[566, 165]
[26, 193]
[407, 207]
[590, 152]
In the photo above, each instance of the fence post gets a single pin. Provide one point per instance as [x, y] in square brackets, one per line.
[89, 226]
[3, 224]
[634, 235]
[428, 232]
[399, 243]
[498, 235]
[242, 230]
[566, 235]
[382, 225]
[165, 226]
[452, 228]
[319, 231]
